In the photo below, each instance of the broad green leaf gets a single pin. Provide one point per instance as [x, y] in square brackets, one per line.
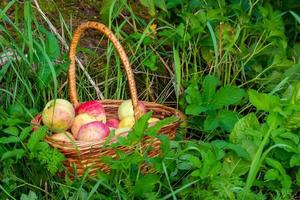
[150, 4]
[241, 152]
[298, 177]
[152, 131]
[12, 131]
[193, 160]
[30, 196]
[295, 160]
[234, 165]
[146, 184]
[161, 4]
[195, 109]
[227, 95]
[174, 3]
[16, 110]
[25, 133]
[105, 10]
[239, 132]
[17, 153]
[150, 62]
[165, 143]
[274, 120]
[211, 122]
[293, 122]
[263, 101]
[141, 125]
[285, 180]
[228, 119]
[209, 86]
[272, 174]
[36, 137]
[8, 140]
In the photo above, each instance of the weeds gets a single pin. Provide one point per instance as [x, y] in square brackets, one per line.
[232, 66]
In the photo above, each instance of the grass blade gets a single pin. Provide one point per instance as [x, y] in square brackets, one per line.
[216, 48]
[177, 69]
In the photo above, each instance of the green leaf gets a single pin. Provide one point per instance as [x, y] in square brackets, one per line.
[153, 130]
[272, 174]
[293, 122]
[233, 164]
[227, 95]
[3, 70]
[141, 124]
[285, 180]
[150, 62]
[10, 139]
[228, 119]
[209, 87]
[295, 160]
[298, 177]
[146, 184]
[36, 137]
[193, 160]
[262, 101]
[18, 153]
[161, 4]
[195, 109]
[16, 110]
[211, 122]
[12, 131]
[239, 131]
[150, 5]
[108, 6]
[274, 120]
[25, 132]
[30, 196]
[165, 143]
[241, 152]
[52, 47]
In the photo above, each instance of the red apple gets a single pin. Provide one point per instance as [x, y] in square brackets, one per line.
[119, 131]
[127, 122]
[126, 109]
[152, 121]
[36, 121]
[93, 131]
[93, 108]
[79, 121]
[64, 137]
[112, 123]
[58, 114]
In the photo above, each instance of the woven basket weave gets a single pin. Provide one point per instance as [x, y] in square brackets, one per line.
[81, 155]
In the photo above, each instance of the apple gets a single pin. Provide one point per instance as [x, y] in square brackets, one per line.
[36, 121]
[79, 121]
[152, 121]
[126, 109]
[119, 131]
[93, 108]
[58, 114]
[112, 123]
[64, 137]
[93, 131]
[127, 122]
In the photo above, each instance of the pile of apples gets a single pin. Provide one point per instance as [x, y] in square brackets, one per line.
[88, 121]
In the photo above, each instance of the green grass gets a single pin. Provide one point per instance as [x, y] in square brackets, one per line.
[242, 144]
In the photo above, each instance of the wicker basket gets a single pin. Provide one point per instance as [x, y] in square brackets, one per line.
[88, 154]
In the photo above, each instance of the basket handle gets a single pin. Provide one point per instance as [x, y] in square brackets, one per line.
[121, 52]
